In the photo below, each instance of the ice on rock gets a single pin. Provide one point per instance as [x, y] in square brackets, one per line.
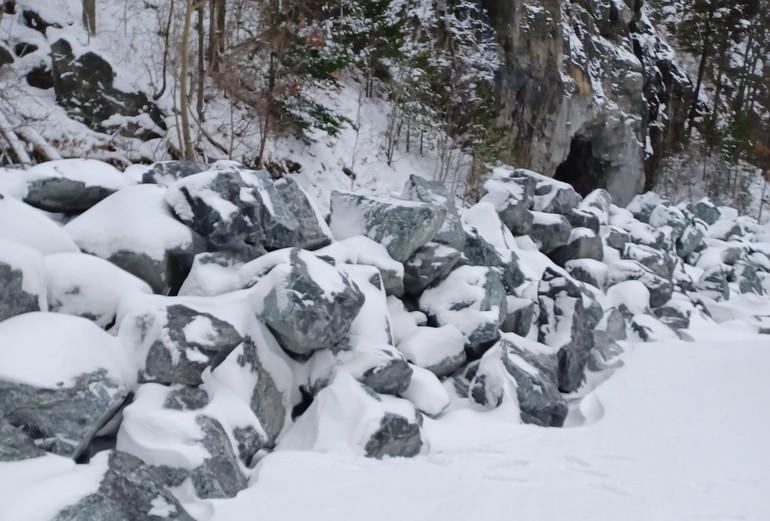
[434, 192]
[22, 280]
[347, 417]
[155, 247]
[21, 223]
[189, 433]
[472, 298]
[401, 226]
[524, 372]
[61, 379]
[440, 350]
[88, 286]
[427, 393]
[237, 210]
[307, 303]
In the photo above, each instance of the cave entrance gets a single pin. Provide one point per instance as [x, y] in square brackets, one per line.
[582, 169]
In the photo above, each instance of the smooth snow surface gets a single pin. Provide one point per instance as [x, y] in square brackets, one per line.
[680, 433]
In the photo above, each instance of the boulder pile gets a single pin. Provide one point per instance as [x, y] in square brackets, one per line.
[172, 329]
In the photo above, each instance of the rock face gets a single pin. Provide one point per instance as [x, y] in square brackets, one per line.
[585, 86]
[84, 87]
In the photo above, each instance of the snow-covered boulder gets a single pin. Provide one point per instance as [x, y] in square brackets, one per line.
[551, 196]
[567, 319]
[88, 286]
[307, 303]
[364, 250]
[427, 393]
[134, 229]
[434, 192]
[745, 275]
[691, 239]
[705, 210]
[660, 289]
[71, 185]
[598, 203]
[401, 226]
[579, 218]
[166, 173]
[472, 298]
[22, 280]
[526, 369]
[188, 433]
[258, 374]
[642, 205]
[583, 243]
[313, 230]
[403, 323]
[667, 215]
[616, 237]
[657, 261]
[174, 343]
[713, 282]
[16, 445]
[440, 350]
[347, 417]
[646, 235]
[61, 379]
[590, 271]
[511, 201]
[19, 222]
[549, 231]
[520, 315]
[676, 312]
[428, 265]
[235, 209]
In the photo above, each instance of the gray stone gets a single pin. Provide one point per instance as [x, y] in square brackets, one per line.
[434, 192]
[479, 252]
[691, 239]
[643, 205]
[660, 288]
[664, 214]
[521, 315]
[65, 419]
[15, 445]
[705, 210]
[182, 343]
[6, 57]
[298, 309]
[567, 319]
[313, 232]
[745, 274]
[583, 244]
[614, 324]
[714, 283]
[589, 271]
[427, 266]
[583, 219]
[391, 376]
[617, 238]
[63, 195]
[550, 231]
[657, 261]
[599, 203]
[401, 226]
[672, 315]
[550, 195]
[127, 492]
[14, 300]
[237, 210]
[512, 200]
[396, 436]
[84, 88]
[604, 353]
[166, 173]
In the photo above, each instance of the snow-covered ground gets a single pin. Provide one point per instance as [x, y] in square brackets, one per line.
[679, 433]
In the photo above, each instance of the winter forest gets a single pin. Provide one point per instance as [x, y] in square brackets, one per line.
[384, 259]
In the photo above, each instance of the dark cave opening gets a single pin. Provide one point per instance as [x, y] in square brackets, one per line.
[582, 169]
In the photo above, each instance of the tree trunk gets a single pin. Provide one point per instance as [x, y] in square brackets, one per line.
[201, 63]
[701, 71]
[89, 16]
[184, 95]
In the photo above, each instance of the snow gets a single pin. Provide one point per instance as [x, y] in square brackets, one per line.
[198, 185]
[88, 286]
[135, 219]
[30, 263]
[372, 253]
[88, 171]
[428, 346]
[22, 223]
[426, 392]
[47, 350]
[666, 447]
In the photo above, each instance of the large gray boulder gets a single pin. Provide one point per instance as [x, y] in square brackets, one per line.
[155, 246]
[127, 491]
[529, 368]
[71, 185]
[434, 192]
[660, 288]
[550, 231]
[401, 226]
[61, 379]
[84, 87]
[237, 210]
[166, 173]
[175, 343]
[15, 445]
[583, 243]
[22, 280]
[307, 303]
[550, 195]
[511, 199]
[705, 210]
[567, 319]
[428, 265]
[473, 299]
[691, 239]
[313, 231]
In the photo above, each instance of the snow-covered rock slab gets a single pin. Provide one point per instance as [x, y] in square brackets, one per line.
[61, 379]
[401, 226]
[22, 280]
[134, 229]
[313, 231]
[440, 350]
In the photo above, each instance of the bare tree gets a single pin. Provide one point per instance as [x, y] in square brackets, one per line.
[184, 94]
[89, 16]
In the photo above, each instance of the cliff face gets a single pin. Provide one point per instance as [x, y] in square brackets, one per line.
[592, 93]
